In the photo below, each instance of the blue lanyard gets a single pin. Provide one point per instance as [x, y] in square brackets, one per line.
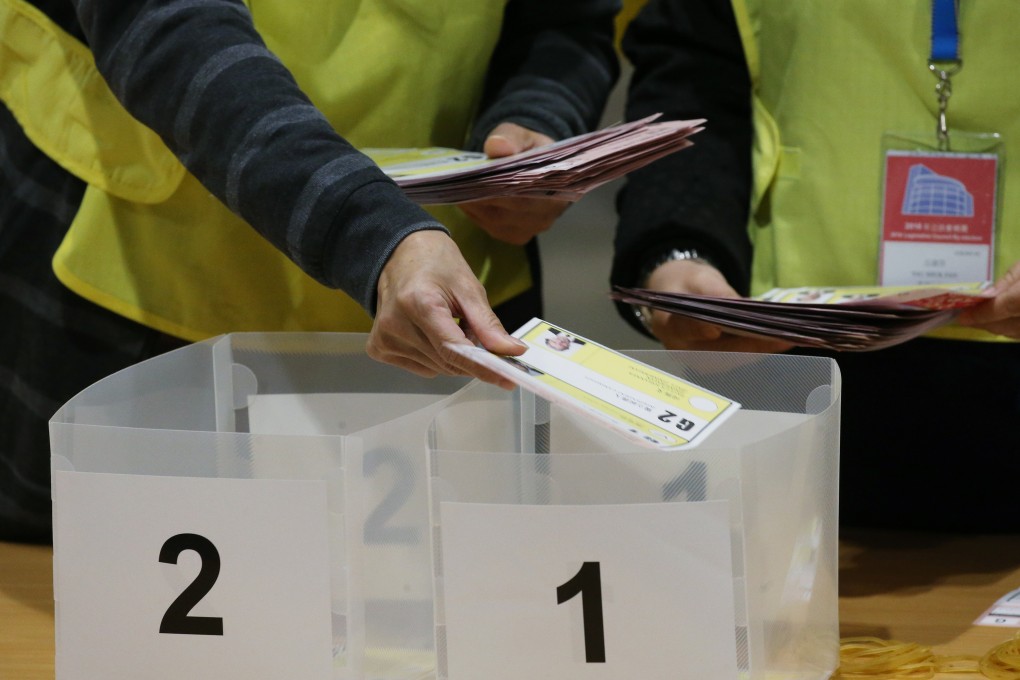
[944, 61]
[945, 34]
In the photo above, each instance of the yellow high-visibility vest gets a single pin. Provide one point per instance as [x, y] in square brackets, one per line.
[829, 78]
[150, 243]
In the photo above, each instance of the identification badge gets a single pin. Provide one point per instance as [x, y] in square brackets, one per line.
[938, 211]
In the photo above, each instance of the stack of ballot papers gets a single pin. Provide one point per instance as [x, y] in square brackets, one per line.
[565, 170]
[842, 319]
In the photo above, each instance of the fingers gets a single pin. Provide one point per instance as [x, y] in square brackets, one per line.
[730, 342]
[477, 322]
[507, 139]
[1000, 316]
[515, 220]
[680, 332]
[424, 288]
[1001, 313]
[690, 276]
[668, 325]
[422, 349]
[735, 343]
[395, 340]
[675, 331]
[481, 323]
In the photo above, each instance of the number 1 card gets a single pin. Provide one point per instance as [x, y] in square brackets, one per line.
[598, 592]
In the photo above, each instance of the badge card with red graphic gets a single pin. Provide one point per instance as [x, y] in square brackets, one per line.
[938, 218]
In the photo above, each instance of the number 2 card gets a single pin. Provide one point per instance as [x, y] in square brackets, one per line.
[178, 577]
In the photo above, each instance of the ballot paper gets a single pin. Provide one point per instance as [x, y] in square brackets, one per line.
[1004, 612]
[567, 169]
[857, 318]
[647, 405]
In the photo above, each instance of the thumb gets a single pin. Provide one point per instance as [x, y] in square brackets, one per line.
[484, 326]
[507, 139]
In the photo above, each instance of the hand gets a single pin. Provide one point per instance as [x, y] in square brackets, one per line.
[676, 331]
[1001, 313]
[514, 220]
[424, 288]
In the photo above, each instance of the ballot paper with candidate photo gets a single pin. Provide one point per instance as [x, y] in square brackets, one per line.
[565, 170]
[645, 404]
[857, 318]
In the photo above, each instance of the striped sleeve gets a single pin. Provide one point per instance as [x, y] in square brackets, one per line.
[198, 73]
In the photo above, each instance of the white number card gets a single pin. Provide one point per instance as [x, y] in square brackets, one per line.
[176, 577]
[597, 592]
[1005, 612]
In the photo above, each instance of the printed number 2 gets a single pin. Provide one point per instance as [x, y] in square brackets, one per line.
[588, 582]
[176, 619]
[378, 525]
[683, 424]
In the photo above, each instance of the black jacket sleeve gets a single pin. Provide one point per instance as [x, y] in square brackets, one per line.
[688, 63]
[552, 69]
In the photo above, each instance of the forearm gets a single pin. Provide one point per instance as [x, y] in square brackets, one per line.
[689, 63]
[200, 75]
[552, 69]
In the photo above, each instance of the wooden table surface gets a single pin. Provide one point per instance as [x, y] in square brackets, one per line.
[26, 612]
[927, 589]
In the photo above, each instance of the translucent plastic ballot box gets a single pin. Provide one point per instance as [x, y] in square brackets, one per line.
[253, 506]
[564, 550]
[280, 505]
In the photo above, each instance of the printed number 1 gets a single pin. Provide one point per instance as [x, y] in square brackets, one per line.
[588, 582]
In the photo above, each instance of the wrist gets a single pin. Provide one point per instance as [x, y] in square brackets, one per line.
[671, 255]
[643, 313]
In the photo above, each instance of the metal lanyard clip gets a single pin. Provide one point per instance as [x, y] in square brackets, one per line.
[944, 90]
[945, 60]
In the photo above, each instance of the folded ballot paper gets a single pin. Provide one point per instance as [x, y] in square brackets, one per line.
[842, 319]
[566, 169]
[651, 407]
